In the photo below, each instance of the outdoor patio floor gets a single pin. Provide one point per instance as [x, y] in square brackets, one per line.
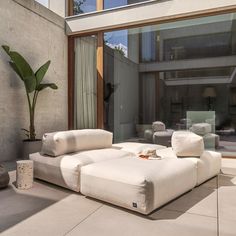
[45, 209]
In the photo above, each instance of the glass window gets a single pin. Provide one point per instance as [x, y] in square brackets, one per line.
[175, 73]
[84, 6]
[112, 4]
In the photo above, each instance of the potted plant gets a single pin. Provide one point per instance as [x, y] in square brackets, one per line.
[33, 85]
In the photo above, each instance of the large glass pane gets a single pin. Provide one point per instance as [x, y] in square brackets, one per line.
[172, 72]
[112, 4]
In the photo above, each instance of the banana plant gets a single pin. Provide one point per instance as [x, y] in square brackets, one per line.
[32, 82]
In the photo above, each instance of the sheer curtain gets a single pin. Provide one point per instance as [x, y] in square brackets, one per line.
[85, 83]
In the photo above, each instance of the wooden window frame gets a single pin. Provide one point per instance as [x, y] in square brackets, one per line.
[71, 72]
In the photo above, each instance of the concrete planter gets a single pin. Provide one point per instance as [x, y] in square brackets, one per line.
[30, 147]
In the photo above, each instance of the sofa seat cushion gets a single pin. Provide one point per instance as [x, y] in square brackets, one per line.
[201, 128]
[137, 184]
[207, 165]
[63, 142]
[65, 170]
[186, 143]
[134, 147]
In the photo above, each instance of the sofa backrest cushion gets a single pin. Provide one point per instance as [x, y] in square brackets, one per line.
[63, 142]
[201, 128]
[187, 144]
[158, 126]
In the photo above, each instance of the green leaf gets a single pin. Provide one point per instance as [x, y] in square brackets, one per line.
[30, 83]
[14, 67]
[6, 49]
[21, 64]
[40, 73]
[43, 86]
[23, 67]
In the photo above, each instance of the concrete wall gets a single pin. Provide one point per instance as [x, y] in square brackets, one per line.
[38, 34]
[58, 6]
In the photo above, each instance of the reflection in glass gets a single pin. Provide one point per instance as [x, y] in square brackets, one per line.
[162, 72]
[84, 6]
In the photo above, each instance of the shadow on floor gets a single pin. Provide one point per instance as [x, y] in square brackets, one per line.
[16, 206]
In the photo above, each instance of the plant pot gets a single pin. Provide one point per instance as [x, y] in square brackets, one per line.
[29, 147]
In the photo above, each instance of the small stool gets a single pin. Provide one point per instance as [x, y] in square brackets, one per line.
[24, 174]
[163, 137]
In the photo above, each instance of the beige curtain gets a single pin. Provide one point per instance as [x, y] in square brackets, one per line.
[85, 83]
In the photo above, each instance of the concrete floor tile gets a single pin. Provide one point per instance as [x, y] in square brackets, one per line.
[56, 219]
[227, 227]
[201, 201]
[227, 197]
[114, 221]
[228, 166]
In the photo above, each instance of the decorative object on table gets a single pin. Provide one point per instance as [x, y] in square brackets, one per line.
[24, 174]
[209, 93]
[33, 85]
[4, 177]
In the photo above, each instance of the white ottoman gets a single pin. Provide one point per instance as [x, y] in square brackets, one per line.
[137, 184]
[24, 174]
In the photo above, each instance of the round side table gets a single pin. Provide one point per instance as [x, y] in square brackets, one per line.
[24, 174]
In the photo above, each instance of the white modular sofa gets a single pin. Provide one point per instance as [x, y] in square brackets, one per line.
[114, 173]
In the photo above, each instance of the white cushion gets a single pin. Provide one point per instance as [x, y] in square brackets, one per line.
[201, 128]
[65, 170]
[158, 126]
[137, 184]
[186, 143]
[136, 148]
[59, 143]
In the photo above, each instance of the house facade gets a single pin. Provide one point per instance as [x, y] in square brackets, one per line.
[124, 65]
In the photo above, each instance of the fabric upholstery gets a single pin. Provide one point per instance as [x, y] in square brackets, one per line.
[158, 126]
[137, 184]
[59, 143]
[136, 148]
[64, 170]
[163, 137]
[207, 165]
[185, 143]
[201, 128]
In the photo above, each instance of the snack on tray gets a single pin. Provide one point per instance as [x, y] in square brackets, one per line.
[149, 154]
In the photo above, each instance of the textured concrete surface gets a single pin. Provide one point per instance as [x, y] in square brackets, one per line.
[39, 35]
[45, 209]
